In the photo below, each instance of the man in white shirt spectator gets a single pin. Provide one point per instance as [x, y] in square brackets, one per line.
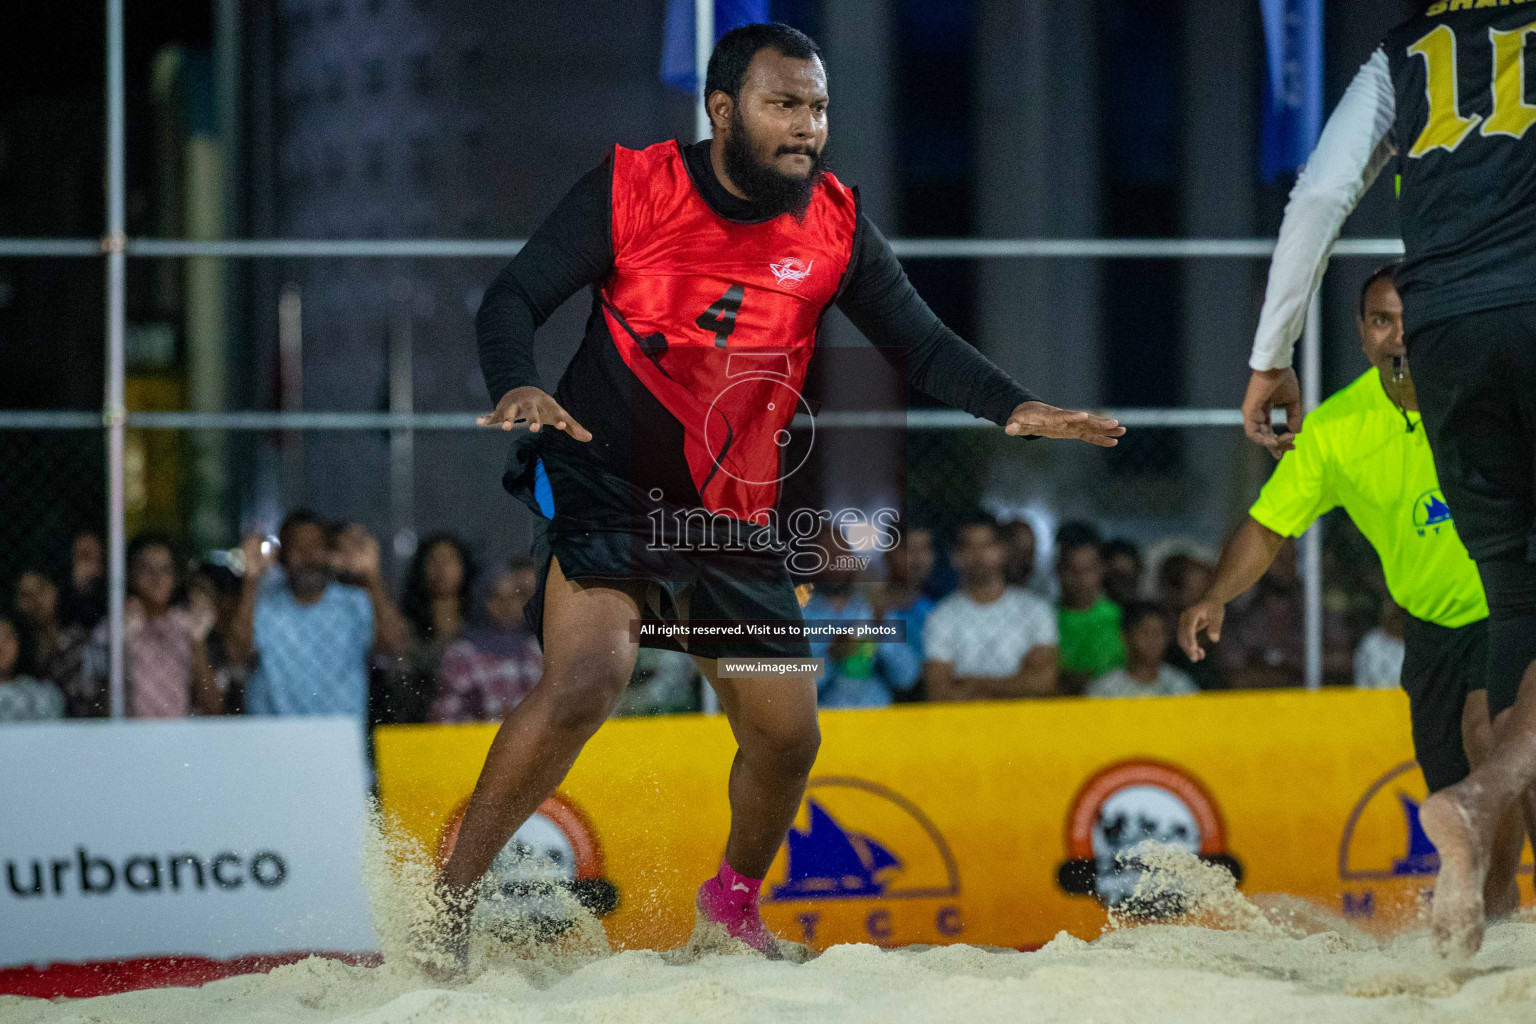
[1379, 658]
[987, 640]
[311, 635]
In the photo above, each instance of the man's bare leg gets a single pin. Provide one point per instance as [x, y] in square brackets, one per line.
[589, 654]
[1463, 821]
[1501, 890]
[777, 737]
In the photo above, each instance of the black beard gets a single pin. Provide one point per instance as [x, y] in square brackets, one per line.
[774, 192]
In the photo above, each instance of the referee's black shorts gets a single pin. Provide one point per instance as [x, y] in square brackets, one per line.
[1441, 666]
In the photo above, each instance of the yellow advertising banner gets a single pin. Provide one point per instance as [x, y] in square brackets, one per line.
[992, 823]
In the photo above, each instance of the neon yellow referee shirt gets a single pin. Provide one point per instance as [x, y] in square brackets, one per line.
[1356, 451]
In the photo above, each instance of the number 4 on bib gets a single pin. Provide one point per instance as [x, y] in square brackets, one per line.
[720, 317]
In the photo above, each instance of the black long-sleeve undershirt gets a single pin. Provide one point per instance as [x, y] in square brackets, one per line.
[573, 249]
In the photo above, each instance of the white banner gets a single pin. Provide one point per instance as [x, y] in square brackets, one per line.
[210, 837]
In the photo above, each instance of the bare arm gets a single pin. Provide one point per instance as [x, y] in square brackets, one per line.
[205, 689]
[357, 554]
[943, 684]
[391, 635]
[1036, 677]
[1246, 557]
[242, 630]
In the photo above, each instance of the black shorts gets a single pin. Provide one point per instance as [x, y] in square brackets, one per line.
[680, 586]
[602, 530]
[1441, 666]
[1476, 380]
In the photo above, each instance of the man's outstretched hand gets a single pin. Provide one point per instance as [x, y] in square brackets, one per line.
[537, 408]
[1268, 390]
[1036, 419]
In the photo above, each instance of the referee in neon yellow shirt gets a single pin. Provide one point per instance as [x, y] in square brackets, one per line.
[1365, 450]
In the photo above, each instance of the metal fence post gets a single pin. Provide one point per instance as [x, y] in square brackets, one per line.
[402, 439]
[703, 46]
[115, 415]
[1312, 541]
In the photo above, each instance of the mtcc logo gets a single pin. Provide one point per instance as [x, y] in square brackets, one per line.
[1430, 512]
[1386, 862]
[1125, 805]
[864, 863]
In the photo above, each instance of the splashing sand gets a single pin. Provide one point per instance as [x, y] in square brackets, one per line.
[1226, 958]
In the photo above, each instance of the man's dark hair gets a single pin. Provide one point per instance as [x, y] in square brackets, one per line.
[1171, 573]
[975, 517]
[142, 542]
[301, 517]
[1387, 271]
[1120, 546]
[1133, 613]
[735, 50]
[1072, 536]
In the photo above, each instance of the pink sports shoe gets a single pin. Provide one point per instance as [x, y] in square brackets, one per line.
[730, 900]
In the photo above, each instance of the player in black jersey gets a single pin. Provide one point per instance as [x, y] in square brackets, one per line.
[1451, 94]
[752, 202]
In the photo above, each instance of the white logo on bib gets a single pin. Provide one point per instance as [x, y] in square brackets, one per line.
[791, 271]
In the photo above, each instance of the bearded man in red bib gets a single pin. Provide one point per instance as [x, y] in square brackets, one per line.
[712, 267]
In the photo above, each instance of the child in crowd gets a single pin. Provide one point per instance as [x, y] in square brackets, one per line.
[1145, 673]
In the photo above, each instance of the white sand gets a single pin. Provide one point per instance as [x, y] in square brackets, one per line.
[1287, 962]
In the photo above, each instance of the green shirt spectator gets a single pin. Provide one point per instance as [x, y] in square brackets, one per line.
[1090, 638]
[1088, 621]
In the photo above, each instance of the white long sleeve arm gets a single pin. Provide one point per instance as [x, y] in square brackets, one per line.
[1355, 145]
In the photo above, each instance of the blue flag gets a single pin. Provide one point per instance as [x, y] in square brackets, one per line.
[1293, 88]
[677, 47]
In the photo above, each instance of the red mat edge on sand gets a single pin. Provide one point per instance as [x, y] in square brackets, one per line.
[109, 977]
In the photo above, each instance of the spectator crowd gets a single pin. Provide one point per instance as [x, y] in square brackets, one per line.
[303, 624]
[306, 623]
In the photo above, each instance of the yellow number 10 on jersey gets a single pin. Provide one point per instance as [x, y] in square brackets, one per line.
[1447, 127]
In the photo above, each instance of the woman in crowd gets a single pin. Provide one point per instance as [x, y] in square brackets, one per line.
[436, 603]
[23, 698]
[497, 661]
[51, 650]
[165, 653]
[213, 595]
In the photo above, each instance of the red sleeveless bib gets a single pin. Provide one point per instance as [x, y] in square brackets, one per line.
[718, 319]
